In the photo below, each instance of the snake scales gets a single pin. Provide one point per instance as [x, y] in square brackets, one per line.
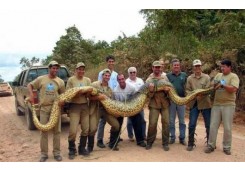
[113, 107]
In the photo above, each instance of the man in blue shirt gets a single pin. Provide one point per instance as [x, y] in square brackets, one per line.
[178, 79]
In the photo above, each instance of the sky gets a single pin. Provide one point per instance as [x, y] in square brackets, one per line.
[31, 28]
[28, 32]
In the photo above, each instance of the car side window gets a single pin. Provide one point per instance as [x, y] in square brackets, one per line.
[31, 75]
[22, 78]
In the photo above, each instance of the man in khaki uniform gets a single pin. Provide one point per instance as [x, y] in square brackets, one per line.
[97, 111]
[49, 86]
[223, 108]
[158, 104]
[78, 112]
[202, 103]
[112, 83]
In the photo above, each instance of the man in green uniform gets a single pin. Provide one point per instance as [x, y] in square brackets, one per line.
[198, 80]
[78, 112]
[158, 104]
[97, 111]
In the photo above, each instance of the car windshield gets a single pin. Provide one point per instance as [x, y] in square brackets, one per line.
[34, 73]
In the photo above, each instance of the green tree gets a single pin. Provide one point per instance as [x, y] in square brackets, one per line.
[101, 49]
[187, 34]
[26, 63]
[72, 48]
[192, 33]
[47, 60]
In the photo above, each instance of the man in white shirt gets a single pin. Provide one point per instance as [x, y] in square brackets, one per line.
[123, 92]
[136, 82]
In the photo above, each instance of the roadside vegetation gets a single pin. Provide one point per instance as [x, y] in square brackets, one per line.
[209, 35]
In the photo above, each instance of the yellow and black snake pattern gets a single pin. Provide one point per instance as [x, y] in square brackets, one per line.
[113, 107]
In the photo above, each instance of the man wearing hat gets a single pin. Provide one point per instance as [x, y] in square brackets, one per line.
[202, 103]
[97, 110]
[162, 68]
[78, 112]
[158, 103]
[50, 86]
[110, 60]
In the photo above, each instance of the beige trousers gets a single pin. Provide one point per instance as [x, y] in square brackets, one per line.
[79, 113]
[44, 118]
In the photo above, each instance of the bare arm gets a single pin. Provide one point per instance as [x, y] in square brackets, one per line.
[30, 89]
[230, 89]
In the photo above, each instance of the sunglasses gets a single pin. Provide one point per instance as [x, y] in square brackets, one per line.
[132, 72]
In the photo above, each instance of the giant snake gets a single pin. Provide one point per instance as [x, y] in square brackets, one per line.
[116, 108]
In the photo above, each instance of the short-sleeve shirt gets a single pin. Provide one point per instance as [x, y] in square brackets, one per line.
[201, 82]
[113, 79]
[105, 89]
[123, 94]
[222, 97]
[75, 82]
[136, 84]
[49, 89]
[178, 82]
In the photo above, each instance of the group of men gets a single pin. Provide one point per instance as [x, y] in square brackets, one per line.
[87, 110]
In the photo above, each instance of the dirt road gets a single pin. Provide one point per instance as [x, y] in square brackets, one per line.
[17, 144]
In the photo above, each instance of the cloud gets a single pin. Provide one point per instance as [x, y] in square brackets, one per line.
[10, 65]
[9, 73]
[29, 32]
[13, 59]
[37, 31]
[9, 60]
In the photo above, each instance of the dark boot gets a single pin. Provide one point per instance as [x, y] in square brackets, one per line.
[114, 139]
[72, 149]
[82, 145]
[90, 143]
[191, 140]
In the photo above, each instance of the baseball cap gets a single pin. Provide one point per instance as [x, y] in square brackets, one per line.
[53, 63]
[80, 64]
[156, 63]
[197, 62]
[106, 71]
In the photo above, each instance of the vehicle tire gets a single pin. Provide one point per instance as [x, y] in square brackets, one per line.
[18, 112]
[29, 120]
